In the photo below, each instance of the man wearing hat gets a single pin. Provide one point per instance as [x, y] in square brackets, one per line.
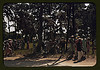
[79, 48]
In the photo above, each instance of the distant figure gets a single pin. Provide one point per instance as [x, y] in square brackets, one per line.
[88, 47]
[84, 46]
[62, 43]
[75, 56]
[27, 44]
[93, 48]
[10, 43]
[23, 44]
[17, 45]
[8, 49]
[79, 49]
[72, 46]
[34, 43]
[43, 46]
[51, 45]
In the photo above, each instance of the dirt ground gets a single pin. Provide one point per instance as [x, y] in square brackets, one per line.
[20, 61]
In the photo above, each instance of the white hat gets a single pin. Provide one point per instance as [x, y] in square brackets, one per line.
[9, 39]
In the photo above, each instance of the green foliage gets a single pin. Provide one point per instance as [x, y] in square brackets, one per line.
[78, 22]
[48, 20]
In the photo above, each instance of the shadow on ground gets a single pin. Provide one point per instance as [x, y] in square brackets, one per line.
[18, 63]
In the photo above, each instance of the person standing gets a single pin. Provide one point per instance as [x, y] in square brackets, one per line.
[84, 46]
[23, 44]
[93, 48]
[75, 57]
[72, 45]
[27, 44]
[79, 49]
[88, 47]
[8, 49]
[34, 43]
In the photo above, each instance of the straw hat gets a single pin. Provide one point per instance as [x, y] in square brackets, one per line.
[78, 36]
[9, 39]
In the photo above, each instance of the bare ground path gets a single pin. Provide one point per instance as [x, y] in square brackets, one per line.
[13, 62]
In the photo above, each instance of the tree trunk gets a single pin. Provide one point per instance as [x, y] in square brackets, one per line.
[67, 36]
[40, 30]
[73, 21]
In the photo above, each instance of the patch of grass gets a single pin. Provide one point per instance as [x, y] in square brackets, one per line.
[24, 51]
[30, 45]
[31, 50]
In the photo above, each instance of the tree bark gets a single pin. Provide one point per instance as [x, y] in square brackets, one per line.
[67, 36]
[40, 29]
[73, 21]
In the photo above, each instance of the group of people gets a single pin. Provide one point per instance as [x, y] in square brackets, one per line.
[80, 48]
[12, 45]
